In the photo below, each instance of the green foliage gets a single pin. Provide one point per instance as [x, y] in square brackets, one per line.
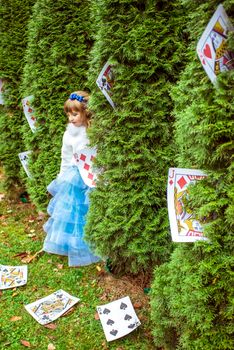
[127, 220]
[14, 16]
[56, 65]
[47, 273]
[192, 299]
[192, 296]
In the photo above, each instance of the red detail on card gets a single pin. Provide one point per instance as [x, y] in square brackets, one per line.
[82, 157]
[30, 110]
[93, 183]
[90, 176]
[207, 51]
[170, 182]
[86, 166]
[194, 233]
[182, 182]
[225, 60]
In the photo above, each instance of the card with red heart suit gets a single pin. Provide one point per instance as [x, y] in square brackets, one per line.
[183, 223]
[29, 112]
[212, 47]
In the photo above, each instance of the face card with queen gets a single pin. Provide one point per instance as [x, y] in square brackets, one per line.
[212, 46]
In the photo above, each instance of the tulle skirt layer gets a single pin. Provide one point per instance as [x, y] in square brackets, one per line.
[67, 210]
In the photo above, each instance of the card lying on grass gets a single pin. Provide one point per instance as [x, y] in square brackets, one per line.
[13, 276]
[118, 318]
[50, 308]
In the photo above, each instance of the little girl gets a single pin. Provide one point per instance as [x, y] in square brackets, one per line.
[69, 205]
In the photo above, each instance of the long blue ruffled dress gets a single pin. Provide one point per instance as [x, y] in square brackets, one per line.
[67, 210]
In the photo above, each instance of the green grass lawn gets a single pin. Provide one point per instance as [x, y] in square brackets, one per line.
[21, 232]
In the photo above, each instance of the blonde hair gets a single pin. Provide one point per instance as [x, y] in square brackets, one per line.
[73, 105]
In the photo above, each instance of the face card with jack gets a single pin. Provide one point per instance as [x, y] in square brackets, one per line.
[184, 226]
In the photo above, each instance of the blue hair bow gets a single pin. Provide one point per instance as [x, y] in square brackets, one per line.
[76, 97]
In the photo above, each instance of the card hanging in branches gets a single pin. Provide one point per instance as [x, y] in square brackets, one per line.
[105, 82]
[212, 46]
[183, 224]
[24, 156]
[1, 92]
[84, 160]
[29, 112]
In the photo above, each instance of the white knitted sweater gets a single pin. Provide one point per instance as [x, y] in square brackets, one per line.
[74, 139]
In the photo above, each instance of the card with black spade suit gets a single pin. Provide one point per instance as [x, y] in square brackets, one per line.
[118, 318]
[24, 157]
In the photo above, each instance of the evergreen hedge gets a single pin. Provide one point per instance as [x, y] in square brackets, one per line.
[56, 65]
[192, 298]
[14, 16]
[127, 220]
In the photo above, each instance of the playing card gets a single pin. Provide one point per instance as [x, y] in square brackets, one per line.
[184, 226]
[13, 276]
[1, 92]
[29, 112]
[84, 160]
[105, 82]
[118, 318]
[50, 308]
[23, 156]
[212, 46]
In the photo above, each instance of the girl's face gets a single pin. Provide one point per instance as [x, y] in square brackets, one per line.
[75, 118]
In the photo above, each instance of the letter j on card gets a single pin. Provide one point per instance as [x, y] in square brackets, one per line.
[183, 223]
